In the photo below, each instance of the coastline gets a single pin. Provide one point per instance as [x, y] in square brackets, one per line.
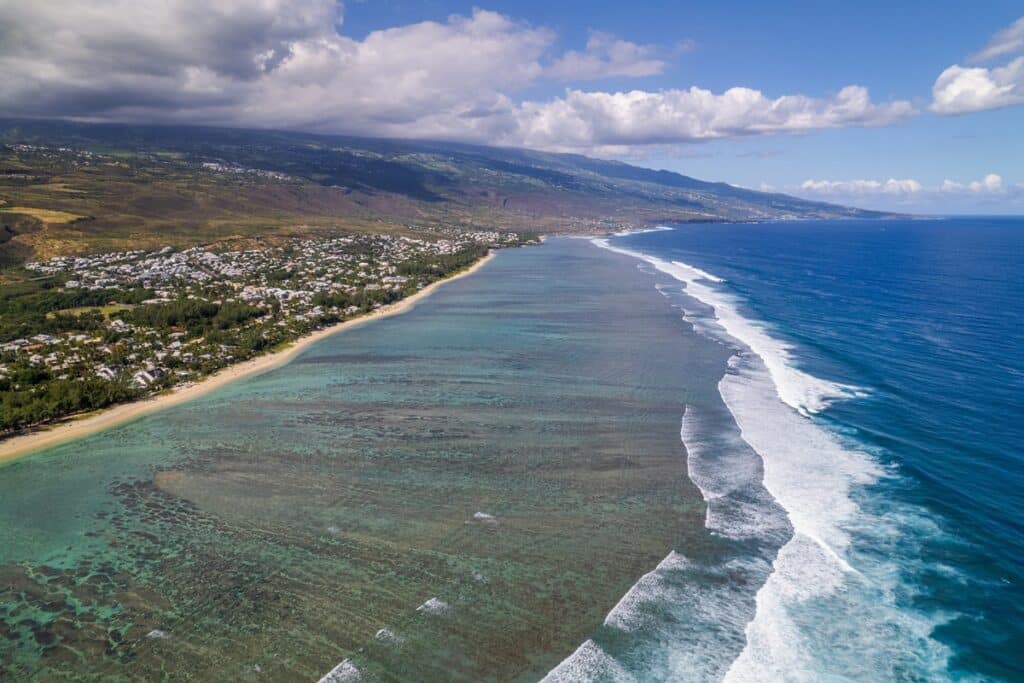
[77, 427]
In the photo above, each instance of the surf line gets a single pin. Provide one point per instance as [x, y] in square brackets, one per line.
[763, 380]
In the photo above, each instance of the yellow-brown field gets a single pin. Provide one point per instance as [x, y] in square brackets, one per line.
[44, 215]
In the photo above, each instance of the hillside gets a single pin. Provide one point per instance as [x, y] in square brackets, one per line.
[71, 187]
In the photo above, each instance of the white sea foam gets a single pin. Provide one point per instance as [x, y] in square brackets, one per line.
[386, 635]
[434, 606]
[682, 621]
[811, 475]
[649, 588]
[728, 473]
[806, 469]
[800, 390]
[588, 663]
[699, 272]
[345, 672]
[656, 228]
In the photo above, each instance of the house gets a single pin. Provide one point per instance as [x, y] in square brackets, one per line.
[143, 378]
[106, 372]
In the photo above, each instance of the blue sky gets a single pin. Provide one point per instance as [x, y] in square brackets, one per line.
[903, 105]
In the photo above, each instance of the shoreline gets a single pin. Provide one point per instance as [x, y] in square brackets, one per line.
[72, 428]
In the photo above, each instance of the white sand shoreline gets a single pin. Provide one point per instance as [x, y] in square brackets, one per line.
[80, 426]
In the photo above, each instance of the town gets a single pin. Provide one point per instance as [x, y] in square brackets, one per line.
[111, 327]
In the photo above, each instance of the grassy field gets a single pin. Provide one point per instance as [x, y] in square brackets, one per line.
[105, 311]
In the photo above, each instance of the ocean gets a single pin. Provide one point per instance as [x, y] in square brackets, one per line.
[878, 376]
[771, 452]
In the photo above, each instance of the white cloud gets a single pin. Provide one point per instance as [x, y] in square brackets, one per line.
[607, 56]
[286, 64]
[403, 79]
[599, 119]
[857, 187]
[959, 89]
[985, 195]
[1006, 42]
[991, 183]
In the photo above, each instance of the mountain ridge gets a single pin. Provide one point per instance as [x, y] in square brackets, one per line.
[135, 181]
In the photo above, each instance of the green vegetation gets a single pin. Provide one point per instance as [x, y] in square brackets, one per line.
[30, 307]
[56, 398]
[438, 266]
[195, 316]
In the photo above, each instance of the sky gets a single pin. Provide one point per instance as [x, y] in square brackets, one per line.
[910, 106]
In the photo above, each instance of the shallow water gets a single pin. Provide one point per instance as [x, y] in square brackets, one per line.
[465, 491]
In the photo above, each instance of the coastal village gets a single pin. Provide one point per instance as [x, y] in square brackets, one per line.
[131, 323]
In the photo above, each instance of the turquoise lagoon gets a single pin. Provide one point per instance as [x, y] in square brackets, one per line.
[463, 492]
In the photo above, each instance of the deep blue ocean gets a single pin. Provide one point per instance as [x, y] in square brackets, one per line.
[879, 375]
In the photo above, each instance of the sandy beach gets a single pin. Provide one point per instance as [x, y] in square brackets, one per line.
[82, 425]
